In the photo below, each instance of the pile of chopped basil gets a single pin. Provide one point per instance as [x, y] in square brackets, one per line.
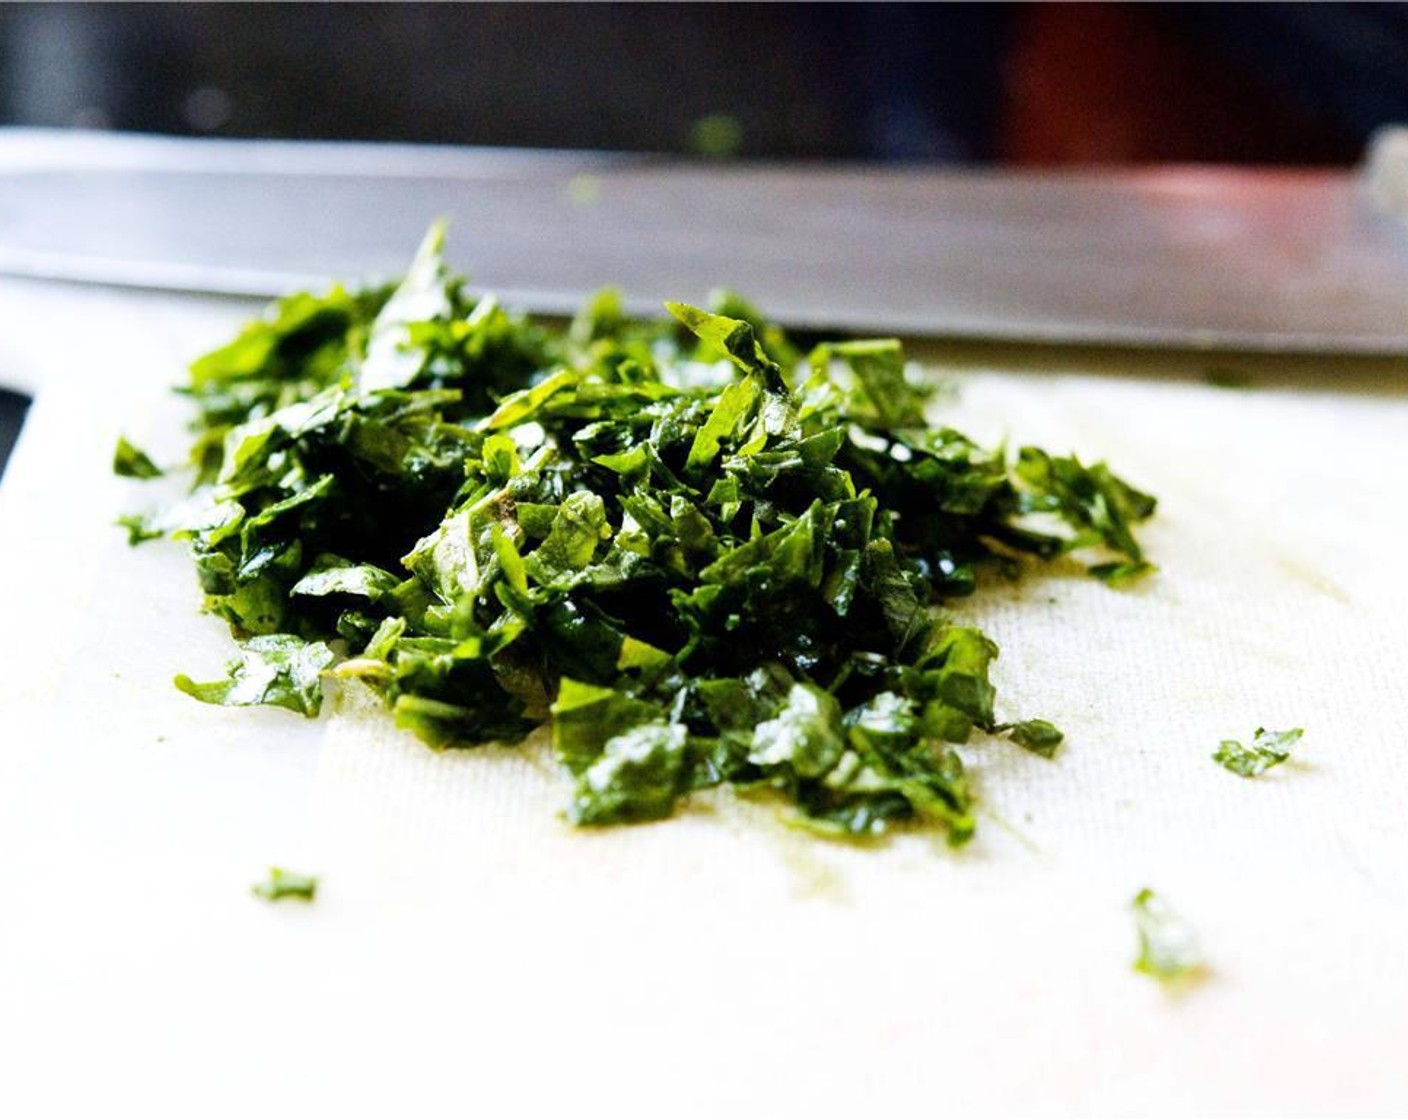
[703, 557]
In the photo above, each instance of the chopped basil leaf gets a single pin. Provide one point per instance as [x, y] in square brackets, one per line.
[129, 461]
[287, 884]
[1221, 377]
[1168, 948]
[277, 669]
[1037, 736]
[1267, 749]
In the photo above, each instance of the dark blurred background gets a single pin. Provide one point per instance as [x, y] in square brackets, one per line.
[1023, 84]
[1015, 85]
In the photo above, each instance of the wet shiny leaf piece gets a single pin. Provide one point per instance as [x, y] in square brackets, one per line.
[1168, 948]
[282, 883]
[1267, 749]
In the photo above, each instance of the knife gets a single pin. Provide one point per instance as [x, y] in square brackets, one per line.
[1274, 260]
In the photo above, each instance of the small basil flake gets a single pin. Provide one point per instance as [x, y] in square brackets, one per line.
[882, 393]
[1222, 377]
[277, 669]
[1116, 574]
[331, 575]
[129, 461]
[1168, 948]
[1267, 749]
[699, 558]
[283, 883]
[637, 776]
[141, 528]
[1037, 736]
[1100, 507]
[805, 735]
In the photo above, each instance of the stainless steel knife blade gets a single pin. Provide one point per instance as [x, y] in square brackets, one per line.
[1228, 258]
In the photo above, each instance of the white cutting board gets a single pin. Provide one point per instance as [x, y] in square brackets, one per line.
[470, 954]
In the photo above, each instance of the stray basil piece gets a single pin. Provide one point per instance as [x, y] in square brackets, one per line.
[283, 883]
[1037, 736]
[1168, 948]
[276, 669]
[130, 461]
[701, 558]
[1267, 749]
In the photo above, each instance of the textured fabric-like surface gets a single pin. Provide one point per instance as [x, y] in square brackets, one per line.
[472, 954]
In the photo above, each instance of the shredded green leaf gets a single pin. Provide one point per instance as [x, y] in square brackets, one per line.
[1168, 948]
[277, 669]
[282, 883]
[1037, 735]
[1222, 377]
[129, 461]
[703, 560]
[1267, 749]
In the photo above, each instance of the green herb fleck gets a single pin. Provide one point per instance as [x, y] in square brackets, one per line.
[282, 883]
[716, 136]
[129, 461]
[584, 190]
[277, 669]
[702, 558]
[1220, 377]
[1037, 736]
[1267, 749]
[1168, 948]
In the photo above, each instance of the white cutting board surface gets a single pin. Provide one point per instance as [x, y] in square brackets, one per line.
[470, 954]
